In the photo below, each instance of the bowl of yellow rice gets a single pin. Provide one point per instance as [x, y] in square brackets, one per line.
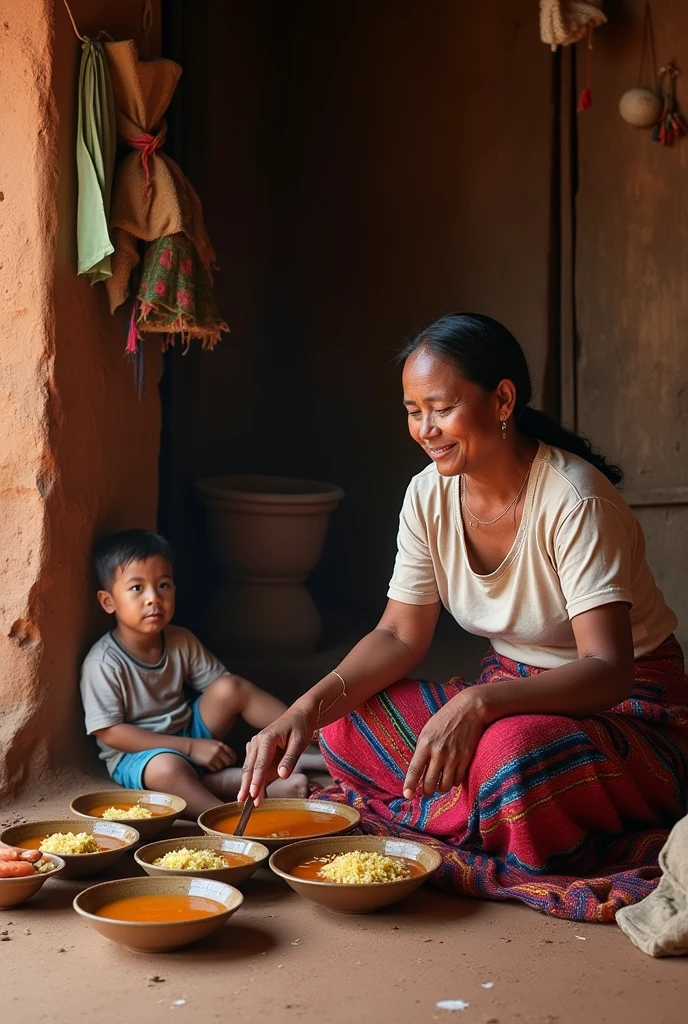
[355, 874]
[231, 860]
[148, 811]
[86, 847]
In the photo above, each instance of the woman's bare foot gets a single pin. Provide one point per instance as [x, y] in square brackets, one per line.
[295, 787]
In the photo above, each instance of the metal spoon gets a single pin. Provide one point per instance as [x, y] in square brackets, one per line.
[245, 815]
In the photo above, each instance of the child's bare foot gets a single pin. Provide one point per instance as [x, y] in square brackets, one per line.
[311, 761]
[224, 784]
[295, 787]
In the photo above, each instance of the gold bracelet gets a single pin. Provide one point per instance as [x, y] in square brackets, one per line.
[341, 695]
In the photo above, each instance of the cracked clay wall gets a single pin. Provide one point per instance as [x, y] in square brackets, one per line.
[78, 451]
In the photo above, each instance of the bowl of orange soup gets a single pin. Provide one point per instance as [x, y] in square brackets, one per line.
[148, 811]
[110, 839]
[278, 822]
[14, 891]
[399, 866]
[154, 915]
[186, 856]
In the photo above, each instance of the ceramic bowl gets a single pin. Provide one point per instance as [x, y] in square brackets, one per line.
[157, 936]
[148, 828]
[232, 875]
[355, 898]
[78, 865]
[14, 891]
[209, 818]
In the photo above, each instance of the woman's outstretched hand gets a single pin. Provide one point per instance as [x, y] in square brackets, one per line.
[446, 746]
[274, 751]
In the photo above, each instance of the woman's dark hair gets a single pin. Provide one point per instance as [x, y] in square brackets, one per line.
[118, 550]
[485, 353]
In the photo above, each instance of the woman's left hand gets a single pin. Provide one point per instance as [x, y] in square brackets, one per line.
[446, 746]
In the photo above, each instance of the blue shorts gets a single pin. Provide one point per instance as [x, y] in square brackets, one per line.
[129, 771]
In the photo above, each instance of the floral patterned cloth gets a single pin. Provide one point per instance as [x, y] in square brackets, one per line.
[175, 295]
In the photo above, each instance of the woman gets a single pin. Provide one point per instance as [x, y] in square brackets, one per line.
[554, 777]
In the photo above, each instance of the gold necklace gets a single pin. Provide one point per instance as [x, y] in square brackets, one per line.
[474, 520]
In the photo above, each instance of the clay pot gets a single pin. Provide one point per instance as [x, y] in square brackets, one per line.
[268, 534]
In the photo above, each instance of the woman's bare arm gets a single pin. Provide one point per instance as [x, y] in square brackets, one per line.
[389, 652]
[394, 648]
[601, 677]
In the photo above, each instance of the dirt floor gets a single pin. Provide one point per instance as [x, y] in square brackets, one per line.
[283, 959]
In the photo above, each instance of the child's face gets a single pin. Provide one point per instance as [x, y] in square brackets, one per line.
[142, 595]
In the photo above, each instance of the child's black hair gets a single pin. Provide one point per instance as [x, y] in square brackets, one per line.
[118, 550]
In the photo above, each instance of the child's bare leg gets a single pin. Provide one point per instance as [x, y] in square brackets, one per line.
[231, 696]
[174, 774]
[226, 784]
[220, 705]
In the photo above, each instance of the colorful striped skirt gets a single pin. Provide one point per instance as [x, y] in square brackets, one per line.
[567, 815]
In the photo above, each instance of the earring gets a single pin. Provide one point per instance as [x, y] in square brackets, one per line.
[503, 430]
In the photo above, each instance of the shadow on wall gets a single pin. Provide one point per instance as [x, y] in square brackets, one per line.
[355, 191]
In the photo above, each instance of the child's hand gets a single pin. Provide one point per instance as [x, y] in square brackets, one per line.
[212, 754]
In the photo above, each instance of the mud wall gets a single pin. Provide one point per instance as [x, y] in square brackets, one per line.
[78, 451]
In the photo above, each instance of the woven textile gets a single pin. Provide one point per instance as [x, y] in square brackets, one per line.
[567, 815]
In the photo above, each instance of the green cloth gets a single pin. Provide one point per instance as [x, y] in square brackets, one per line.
[95, 158]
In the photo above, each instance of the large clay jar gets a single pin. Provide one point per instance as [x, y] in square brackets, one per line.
[268, 534]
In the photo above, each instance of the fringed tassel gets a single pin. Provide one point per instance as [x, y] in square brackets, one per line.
[134, 351]
[140, 371]
[671, 125]
[585, 98]
[133, 334]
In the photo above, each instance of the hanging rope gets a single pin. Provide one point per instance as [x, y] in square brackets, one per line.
[585, 98]
[84, 39]
[648, 45]
[147, 22]
[71, 18]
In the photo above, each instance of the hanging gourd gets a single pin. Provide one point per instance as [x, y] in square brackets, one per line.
[642, 105]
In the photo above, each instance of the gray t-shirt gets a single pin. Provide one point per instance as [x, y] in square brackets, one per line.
[116, 687]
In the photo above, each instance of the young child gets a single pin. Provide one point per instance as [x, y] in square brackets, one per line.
[133, 687]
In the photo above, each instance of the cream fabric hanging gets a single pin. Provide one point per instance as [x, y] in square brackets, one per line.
[563, 22]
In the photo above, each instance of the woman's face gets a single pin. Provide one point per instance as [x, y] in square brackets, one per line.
[454, 421]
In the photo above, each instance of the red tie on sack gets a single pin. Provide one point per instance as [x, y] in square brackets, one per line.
[147, 144]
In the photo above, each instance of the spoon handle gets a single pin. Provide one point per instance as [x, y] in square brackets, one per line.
[245, 815]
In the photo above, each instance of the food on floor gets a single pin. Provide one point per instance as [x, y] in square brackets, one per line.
[69, 842]
[184, 859]
[18, 863]
[357, 868]
[284, 824]
[160, 907]
[103, 842]
[134, 812]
